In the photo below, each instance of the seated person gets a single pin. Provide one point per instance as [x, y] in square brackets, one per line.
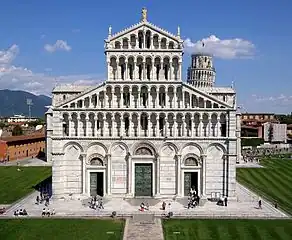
[53, 212]
[163, 205]
[220, 202]
[48, 212]
[142, 207]
[21, 212]
[24, 212]
[44, 212]
[146, 206]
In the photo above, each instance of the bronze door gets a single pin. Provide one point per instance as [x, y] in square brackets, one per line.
[143, 179]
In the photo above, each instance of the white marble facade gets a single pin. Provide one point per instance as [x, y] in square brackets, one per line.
[144, 114]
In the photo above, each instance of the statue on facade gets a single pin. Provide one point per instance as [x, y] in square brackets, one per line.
[144, 15]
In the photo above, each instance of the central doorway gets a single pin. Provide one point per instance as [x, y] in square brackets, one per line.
[96, 184]
[143, 179]
[190, 181]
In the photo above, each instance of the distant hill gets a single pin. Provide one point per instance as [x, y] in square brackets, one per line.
[14, 102]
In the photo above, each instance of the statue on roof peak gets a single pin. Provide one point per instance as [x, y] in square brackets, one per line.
[144, 15]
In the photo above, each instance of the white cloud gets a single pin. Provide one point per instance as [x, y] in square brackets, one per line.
[7, 56]
[58, 45]
[20, 78]
[278, 103]
[221, 48]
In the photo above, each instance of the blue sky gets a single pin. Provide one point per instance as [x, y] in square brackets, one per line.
[263, 29]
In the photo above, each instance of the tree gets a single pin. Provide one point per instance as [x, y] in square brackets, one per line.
[17, 131]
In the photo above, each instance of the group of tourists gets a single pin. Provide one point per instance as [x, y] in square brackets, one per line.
[194, 199]
[96, 203]
[21, 212]
[47, 212]
[44, 197]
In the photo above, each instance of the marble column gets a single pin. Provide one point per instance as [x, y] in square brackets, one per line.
[95, 126]
[174, 99]
[108, 70]
[183, 127]
[218, 125]
[166, 126]
[121, 99]
[130, 192]
[158, 176]
[126, 71]
[109, 176]
[170, 70]
[122, 131]
[70, 126]
[201, 126]
[178, 180]
[83, 173]
[157, 133]
[79, 124]
[148, 126]
[204, 170]
[87, 125]
[138, 126]
[174, 127]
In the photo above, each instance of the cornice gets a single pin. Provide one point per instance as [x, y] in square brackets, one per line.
[168, 139]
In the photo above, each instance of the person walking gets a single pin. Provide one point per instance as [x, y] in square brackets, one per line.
[260, 203]
[225, 201]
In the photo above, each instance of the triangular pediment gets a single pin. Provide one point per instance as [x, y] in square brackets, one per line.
[205, 96]
[86, 94]
[144, 26]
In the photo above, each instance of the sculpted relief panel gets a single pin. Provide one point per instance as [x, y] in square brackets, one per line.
[215, 152]
[119, 150]
[168, 151]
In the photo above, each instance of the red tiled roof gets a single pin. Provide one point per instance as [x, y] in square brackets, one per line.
[22, 137]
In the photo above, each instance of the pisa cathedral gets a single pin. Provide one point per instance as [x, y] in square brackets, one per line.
[145, 131]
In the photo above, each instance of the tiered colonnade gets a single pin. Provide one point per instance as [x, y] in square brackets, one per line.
[143, 96]
[144, 124]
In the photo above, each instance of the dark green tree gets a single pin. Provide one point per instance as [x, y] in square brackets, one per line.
[17, 131]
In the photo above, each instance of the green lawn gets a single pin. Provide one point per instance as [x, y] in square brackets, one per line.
[16, 184]
[272, 182]
[227, 229]
[40, 229]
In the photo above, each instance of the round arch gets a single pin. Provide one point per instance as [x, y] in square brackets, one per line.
[218, 145]
[72, 144]
[119, 143]
[98, 144]
[146, 144]
[192, 144]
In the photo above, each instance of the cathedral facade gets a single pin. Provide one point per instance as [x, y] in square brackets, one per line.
[144, 131]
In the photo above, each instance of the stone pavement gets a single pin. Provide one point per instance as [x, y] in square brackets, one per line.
[249, 165]
[143, 227]
[28, 162]
[244, 207]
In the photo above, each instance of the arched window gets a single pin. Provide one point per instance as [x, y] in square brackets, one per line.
[143, 151]
[96, 161]
[191, 161]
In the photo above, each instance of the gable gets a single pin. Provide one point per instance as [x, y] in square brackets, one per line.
[145, 27]
[88, 94]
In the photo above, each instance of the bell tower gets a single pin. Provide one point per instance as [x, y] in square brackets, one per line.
[201, 73]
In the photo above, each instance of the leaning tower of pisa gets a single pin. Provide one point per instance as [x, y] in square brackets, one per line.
[201, 73]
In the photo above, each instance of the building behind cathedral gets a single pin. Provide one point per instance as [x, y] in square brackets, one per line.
[145, 131]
